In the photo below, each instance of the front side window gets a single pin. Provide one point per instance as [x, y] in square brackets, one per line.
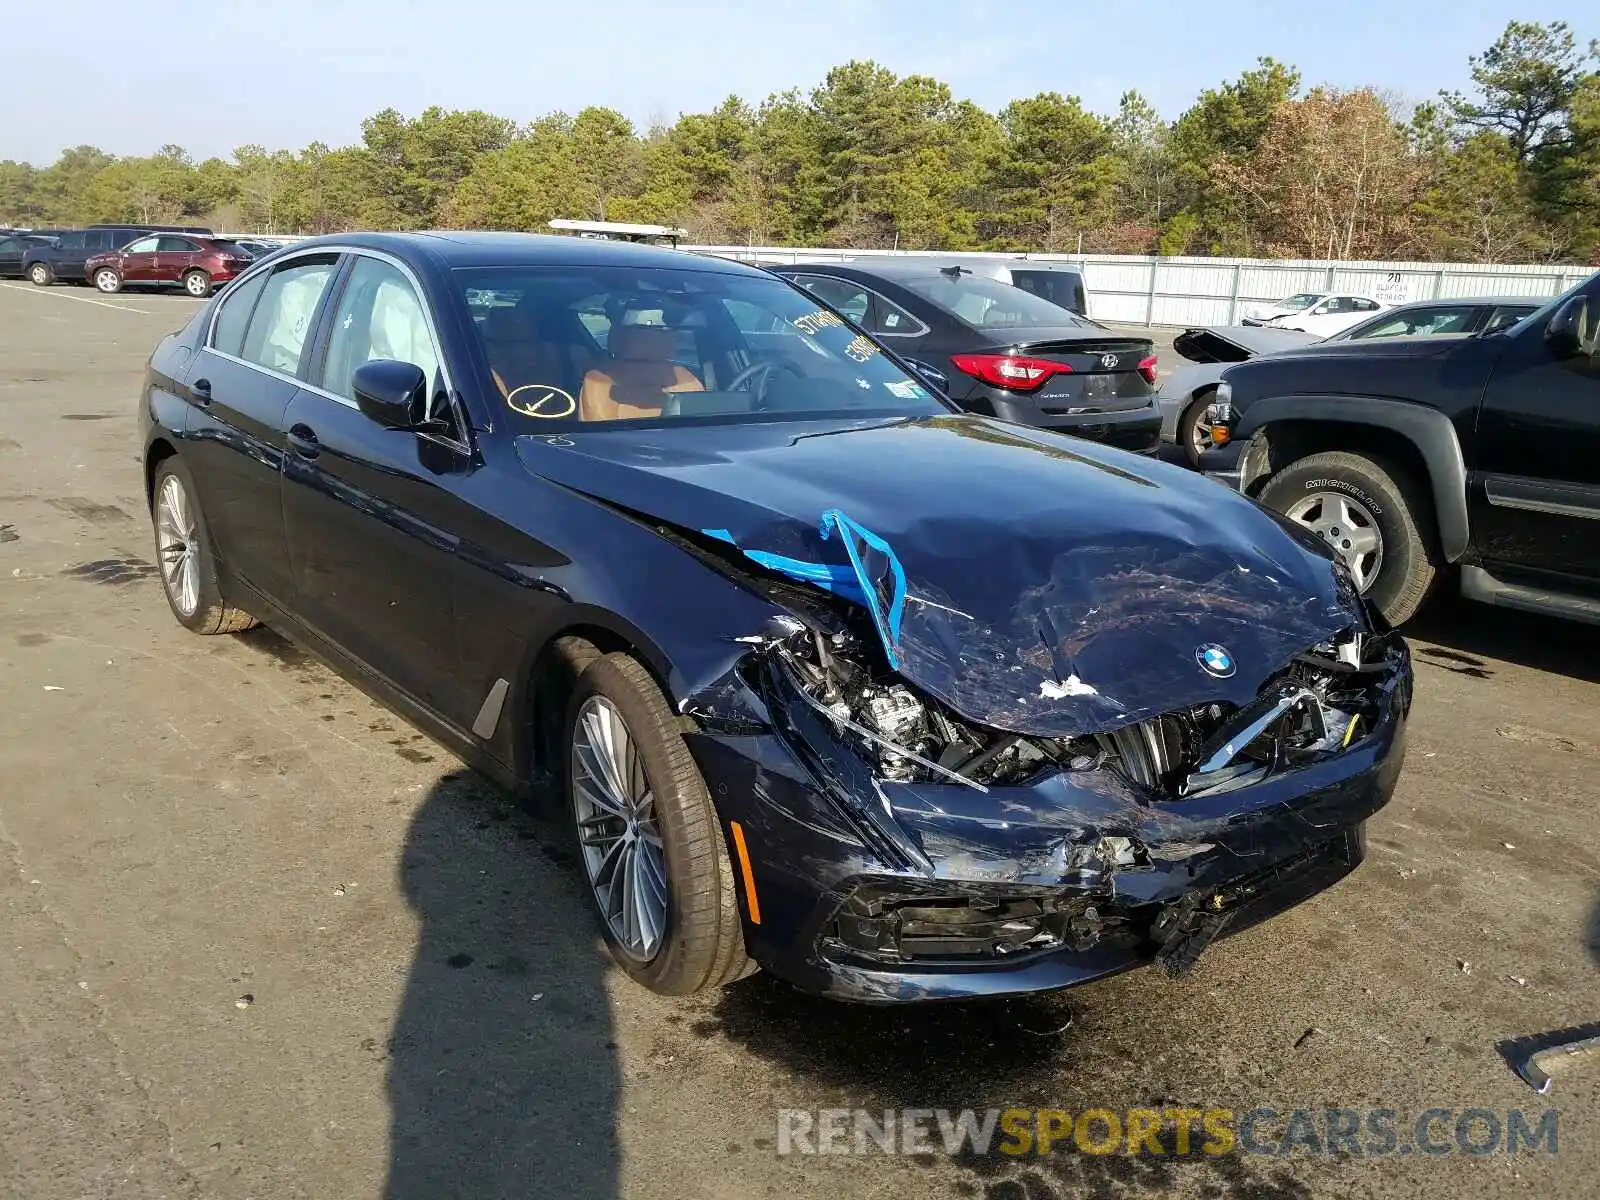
[987, 303]
[233, 315]
[569, 347]
[142, 246]
[71, 241]
[379, 316]
[1299, 302]
[276, 337]
[1423, 322]
[1508, 315]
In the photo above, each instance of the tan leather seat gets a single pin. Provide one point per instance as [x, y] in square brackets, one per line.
[635, 383]
[517, 355]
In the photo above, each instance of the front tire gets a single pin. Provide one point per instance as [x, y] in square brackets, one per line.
[197, 284]
[183, 550]
[40, 275]
[1375, 515]
[1193, 434]
[648, 835]
[108, 281]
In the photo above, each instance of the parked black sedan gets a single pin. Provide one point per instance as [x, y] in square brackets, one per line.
[897, 702]
[1000, 350]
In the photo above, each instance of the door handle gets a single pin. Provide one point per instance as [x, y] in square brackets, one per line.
[200, 389]
[303, 441]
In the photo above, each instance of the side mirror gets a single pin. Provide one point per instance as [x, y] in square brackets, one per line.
[934, 378]
[394, 394]
[1564, 333]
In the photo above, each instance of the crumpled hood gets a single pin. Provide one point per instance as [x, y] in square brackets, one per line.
[1052, 587]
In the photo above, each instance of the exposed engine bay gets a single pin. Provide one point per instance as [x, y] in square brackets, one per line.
[1313, 709]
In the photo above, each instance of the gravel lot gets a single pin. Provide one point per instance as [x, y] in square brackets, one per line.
[261, 939]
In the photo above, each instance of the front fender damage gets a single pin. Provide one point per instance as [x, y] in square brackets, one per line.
[982, 845]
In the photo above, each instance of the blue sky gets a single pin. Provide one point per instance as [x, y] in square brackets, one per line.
[213, 74]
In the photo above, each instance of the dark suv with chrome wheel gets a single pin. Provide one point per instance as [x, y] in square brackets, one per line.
[1411, 457]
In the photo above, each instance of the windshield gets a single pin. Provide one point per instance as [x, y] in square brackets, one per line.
[1297, 302]
[989, 304]
[573, 346]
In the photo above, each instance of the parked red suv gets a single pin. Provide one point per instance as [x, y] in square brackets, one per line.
[196, 264]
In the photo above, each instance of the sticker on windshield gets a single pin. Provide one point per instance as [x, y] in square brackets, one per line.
[904, 389]
[860, 349]
[541, 400]
[814, 322]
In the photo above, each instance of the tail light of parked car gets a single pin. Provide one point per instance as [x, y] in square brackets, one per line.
[1018, 374]
[1147, 368]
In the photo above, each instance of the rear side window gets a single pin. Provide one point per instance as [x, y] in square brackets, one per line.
[1059, 287]
[234, 314]
[176, 245]
[862, 305]
[277, 333]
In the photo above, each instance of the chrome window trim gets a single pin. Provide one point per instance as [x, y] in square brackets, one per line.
[922, 327]
[276, 263]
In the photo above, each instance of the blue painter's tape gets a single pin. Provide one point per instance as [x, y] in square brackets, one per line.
[888, 623]
[840, 580]
[722, 535]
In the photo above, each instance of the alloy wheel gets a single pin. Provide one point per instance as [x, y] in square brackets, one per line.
[39, 274]
[177, 545]
[195, 284]
[106, 281]
[1347, 525]
[614, 808]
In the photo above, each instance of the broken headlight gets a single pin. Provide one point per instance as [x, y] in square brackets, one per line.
[905, 736]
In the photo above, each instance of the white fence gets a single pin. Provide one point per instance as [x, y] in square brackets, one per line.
[1141, 290]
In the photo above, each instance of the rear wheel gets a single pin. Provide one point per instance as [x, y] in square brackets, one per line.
[183, 548]
[197, 284]
[648, 836]
[107, 281]
[39, 274]
[1374, 515]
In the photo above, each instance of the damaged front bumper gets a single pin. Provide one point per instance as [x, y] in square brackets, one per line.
[886, 891]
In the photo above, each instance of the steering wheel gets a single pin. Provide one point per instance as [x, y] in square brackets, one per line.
[761, 372]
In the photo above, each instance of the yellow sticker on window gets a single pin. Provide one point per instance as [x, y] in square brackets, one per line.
[541, 400]
[860, 349]
[812, 322]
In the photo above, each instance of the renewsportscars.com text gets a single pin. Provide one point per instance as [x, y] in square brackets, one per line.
[1176, 1132]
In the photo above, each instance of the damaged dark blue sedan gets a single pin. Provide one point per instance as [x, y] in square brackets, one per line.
[897, 703]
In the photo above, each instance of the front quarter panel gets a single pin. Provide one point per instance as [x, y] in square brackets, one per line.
[163, 413]
[540, 559]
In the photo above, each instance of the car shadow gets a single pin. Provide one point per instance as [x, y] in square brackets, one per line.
[980, 1055]
[502, 1070]
[1466, 636]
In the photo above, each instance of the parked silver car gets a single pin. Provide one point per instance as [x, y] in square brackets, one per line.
[1211, 350]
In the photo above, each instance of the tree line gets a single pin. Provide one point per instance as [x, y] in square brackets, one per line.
[1260, 166]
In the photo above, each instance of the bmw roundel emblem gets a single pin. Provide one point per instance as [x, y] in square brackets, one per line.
[1215, 660]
